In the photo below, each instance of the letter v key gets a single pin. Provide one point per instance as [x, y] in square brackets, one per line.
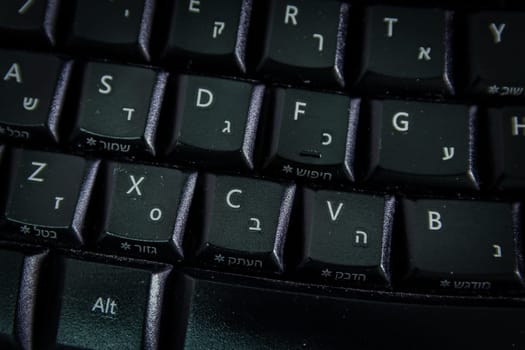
[334, 216]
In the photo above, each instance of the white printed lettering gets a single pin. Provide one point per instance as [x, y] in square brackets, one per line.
[229, 198]
[361, 235]
[130, 112]
[448, 153]
[155, 214]
[516, 126]
[30, 103]
[298, 109]
[40, 167]
[194, 6]
[227, 128]
[104, 80]
[496, 31]
[57, 202]
[25, 7]
[400, 125]
[202, 101]
[424, 53]
[497, 249]
[218, 27]
[14, 72]
[291, 14]
[390, 25]
[135, 185]
[334, 215]
[326, 139]
[106, 306]
[434, 221]
[256, 225]
[321, 41]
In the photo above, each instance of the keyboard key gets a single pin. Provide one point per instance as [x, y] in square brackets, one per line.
[421, 145]
[107, 307]
[304, 42]
[346, 237]
[226, 315]
[32, 91]
[455, 246]
[243, 224]
[10, 275]
[215, 122]
[146, 210]
[218, 34]
[494, 54]
[507, 132]
[119, 109]
[405, 50]
[312, 136]
[28, 21]
[48, 196]
[20, 274]
[121, 28]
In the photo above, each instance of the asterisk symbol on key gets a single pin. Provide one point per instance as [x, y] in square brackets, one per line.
[219, 258]
[125, 246]
[287, 169]
[326, 273]
[493, 89]
[91, 141]
[444, 284]
[25, 229]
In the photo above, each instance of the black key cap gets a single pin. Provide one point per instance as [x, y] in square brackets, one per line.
[346, 238]
[32, 90]
[494, 53]
[406, 50]
[305, 41]
[215, 122]
[507, 132]
[19, 275]
[28, 21]
[312, 136]
[119, 109]
[104, 306]
[48, 196]
[146, 210]
[455, 246]
[10, 275]
[423, 145]
[218, 34]
[243, 223]
[223, 315]
[121, 28]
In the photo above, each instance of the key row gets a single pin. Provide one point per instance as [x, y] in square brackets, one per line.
[90, 303]
[263, 227]
[221, 124]
[404, 49]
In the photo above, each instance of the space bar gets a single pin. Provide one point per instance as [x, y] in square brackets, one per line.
[230, 315]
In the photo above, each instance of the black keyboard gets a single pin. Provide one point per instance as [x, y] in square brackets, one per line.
[262, 174]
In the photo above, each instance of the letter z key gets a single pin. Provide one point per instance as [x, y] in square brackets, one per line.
[48, 196]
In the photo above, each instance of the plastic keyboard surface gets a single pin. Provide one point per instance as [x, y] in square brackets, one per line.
[261, 174]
